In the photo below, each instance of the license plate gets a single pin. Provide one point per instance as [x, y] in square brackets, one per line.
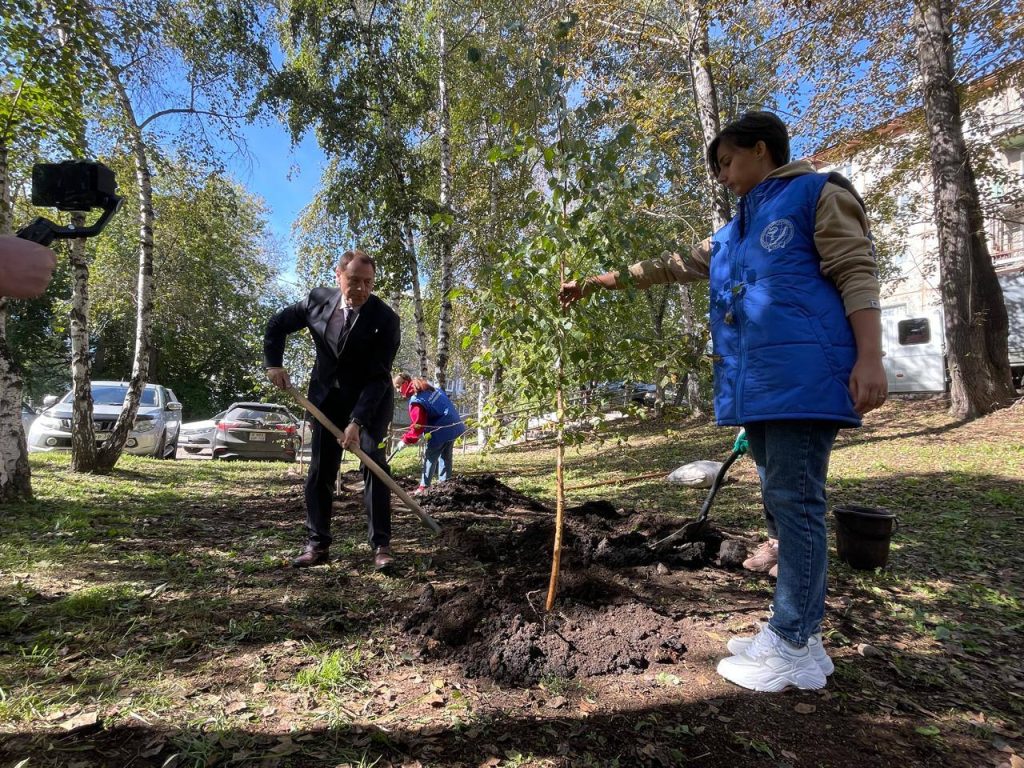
[101, 435]
[257, 437]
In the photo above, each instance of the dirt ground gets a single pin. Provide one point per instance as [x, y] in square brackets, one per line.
[457, 663]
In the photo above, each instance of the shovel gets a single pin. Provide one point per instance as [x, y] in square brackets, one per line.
[695, 530]
[372, 465]
[395, 452]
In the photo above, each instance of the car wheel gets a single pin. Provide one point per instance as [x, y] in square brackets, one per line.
[172, 451]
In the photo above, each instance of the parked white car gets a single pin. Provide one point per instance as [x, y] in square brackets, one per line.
[198, 435]
[28, 415]
[154, 433]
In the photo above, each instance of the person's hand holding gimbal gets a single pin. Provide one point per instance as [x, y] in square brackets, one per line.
[25, 268]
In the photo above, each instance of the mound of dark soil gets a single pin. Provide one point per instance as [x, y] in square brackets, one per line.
[482, 493]
[603, 623]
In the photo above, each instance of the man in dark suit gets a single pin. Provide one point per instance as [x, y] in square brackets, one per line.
[356, 336]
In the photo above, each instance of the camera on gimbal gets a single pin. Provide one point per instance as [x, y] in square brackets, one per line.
[74, 185]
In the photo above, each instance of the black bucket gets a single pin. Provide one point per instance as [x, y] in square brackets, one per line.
[863, 535]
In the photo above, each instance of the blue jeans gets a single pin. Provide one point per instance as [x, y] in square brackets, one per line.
[792, 461]
[437, 460]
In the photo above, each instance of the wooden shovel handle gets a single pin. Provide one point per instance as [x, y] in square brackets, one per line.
[367, 461]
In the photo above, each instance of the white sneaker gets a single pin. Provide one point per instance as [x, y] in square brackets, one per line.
[771, 664]
[739, 645]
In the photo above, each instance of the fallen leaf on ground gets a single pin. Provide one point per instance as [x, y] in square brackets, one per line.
[803, 708]
[80, 722]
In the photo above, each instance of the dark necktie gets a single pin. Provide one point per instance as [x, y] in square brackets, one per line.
[350, 318]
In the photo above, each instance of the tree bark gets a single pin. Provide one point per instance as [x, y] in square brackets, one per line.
[694, 396]
[446, 279]
[975, 313]
[657, 303]
[110, 451]
[417, 299]
[83, 437]
[15, 474]
[705, 100]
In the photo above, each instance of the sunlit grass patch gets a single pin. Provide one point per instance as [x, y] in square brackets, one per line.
[332, 671]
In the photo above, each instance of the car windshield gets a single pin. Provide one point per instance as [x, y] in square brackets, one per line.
[114, 394]
[257, 416]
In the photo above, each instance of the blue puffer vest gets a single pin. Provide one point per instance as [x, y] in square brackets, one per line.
[443, 421]
[783, 348]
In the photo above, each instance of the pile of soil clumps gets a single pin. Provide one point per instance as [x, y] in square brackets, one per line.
[495, 625]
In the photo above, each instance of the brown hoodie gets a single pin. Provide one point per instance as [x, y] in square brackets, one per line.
[840, 235]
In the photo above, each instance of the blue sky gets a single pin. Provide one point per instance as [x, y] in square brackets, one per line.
[285, 177]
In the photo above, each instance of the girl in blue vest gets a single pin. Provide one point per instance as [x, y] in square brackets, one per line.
[796, 332]
[432, 414]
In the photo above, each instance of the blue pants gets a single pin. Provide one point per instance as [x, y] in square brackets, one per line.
[792, 461]
[437, 461]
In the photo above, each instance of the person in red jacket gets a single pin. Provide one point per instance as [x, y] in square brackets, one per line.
[433, 417]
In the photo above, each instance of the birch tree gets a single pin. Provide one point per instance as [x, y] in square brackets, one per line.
[40, 78]
[137, 46]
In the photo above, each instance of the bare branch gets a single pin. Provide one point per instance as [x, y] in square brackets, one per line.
[189, 111]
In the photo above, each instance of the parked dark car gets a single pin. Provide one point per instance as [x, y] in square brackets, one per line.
[256, 431]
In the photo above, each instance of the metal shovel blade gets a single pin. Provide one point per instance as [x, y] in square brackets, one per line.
[695, 530]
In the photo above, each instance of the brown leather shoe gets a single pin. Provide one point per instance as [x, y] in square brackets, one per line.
[311, 555]
[382, 558]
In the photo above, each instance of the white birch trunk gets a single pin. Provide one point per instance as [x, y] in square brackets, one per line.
[112, 447]
[446, 282]
[15, 474]
[83, 439]
[417, 300]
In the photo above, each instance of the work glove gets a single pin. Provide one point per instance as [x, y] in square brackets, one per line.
[741, 446]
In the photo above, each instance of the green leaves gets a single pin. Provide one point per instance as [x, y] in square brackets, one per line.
[588, 216]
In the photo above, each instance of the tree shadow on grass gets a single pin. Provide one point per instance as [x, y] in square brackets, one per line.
[740, 729]
[955, 566]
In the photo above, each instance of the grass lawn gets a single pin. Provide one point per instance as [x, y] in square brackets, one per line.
[149, 617]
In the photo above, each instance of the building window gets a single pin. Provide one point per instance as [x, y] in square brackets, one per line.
[916, 331]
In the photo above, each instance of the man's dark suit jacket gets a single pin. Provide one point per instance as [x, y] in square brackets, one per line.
[362, 370]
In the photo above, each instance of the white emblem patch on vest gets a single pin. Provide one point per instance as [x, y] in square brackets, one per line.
[777, 235]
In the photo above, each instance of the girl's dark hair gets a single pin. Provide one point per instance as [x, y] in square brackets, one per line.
[751, 128]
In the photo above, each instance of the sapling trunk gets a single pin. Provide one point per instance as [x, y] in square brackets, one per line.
[556, 556]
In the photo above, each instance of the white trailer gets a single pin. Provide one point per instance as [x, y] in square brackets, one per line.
[1012, 282]
[914, 346]
[914, 341]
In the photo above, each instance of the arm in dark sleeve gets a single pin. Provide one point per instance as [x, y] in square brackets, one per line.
[290, 319]
[379, 370]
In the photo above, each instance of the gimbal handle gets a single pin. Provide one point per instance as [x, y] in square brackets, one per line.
[43, 231]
